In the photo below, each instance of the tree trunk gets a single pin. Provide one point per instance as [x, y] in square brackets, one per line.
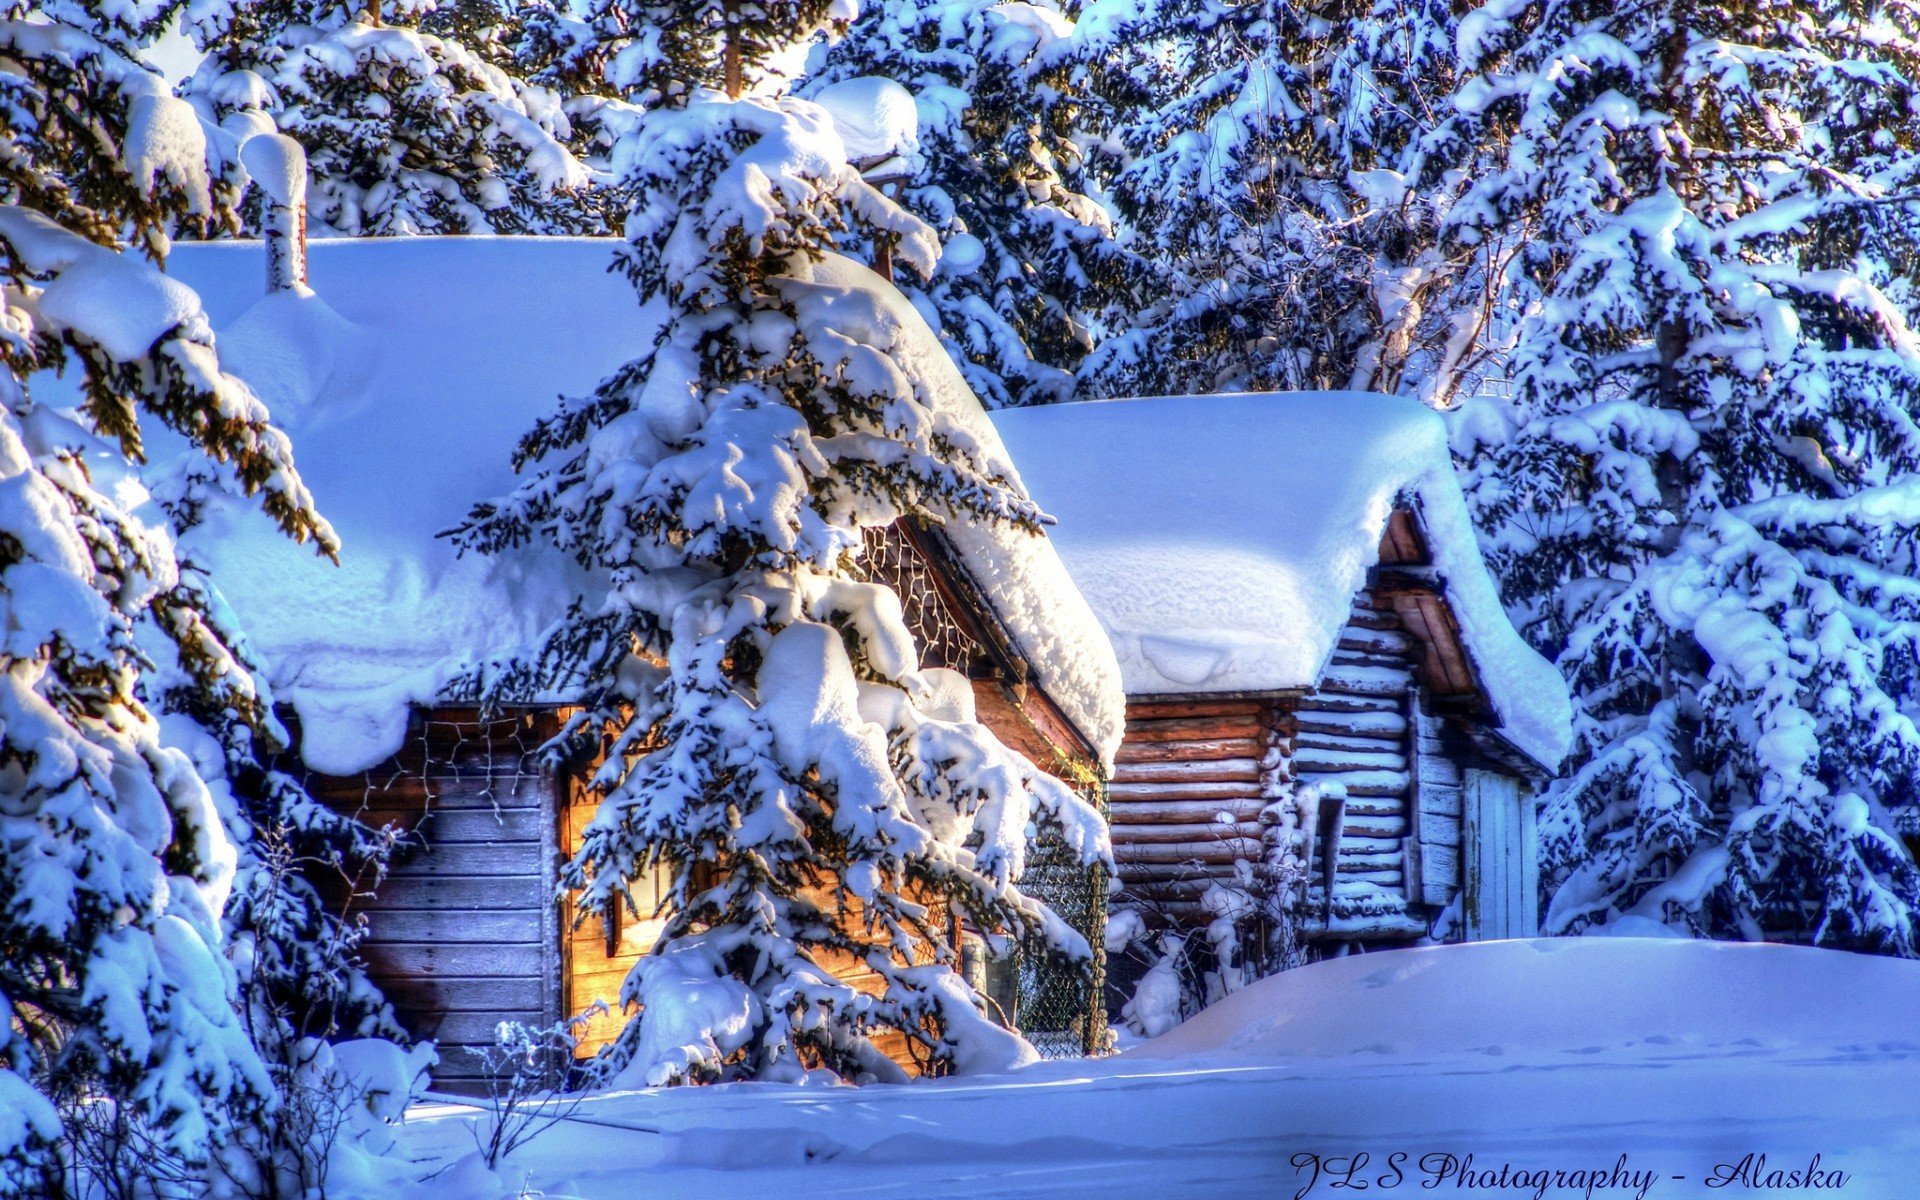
[736, 81]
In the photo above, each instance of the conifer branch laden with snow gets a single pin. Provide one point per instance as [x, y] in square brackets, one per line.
[1701, 490]
[773, 742]
[1267, 159]
[414, 120]
[127, 824]
[1030, 263]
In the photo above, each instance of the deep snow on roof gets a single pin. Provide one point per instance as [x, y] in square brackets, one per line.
[405, 381]
[1221, 539]
[1019, 574]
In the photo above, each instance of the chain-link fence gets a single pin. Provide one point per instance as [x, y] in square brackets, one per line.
[1057, 1004]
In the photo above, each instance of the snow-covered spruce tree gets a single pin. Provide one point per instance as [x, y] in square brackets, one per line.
[406, 130]
[125, 1049]
[301, 983]
[1266, 156]
[1703, 489]
[1029, 260]
[297, 959]
[552, 48]
[816, 798]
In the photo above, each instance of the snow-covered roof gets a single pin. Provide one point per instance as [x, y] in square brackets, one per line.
[1019, 574]
[405, 381]
[1222, 539]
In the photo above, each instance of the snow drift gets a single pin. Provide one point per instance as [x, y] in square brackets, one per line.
[1594, 997]
[1568, 1052]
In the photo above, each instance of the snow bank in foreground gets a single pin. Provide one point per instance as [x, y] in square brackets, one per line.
[1681, 1056]
[1582, 996]
[1221, 539]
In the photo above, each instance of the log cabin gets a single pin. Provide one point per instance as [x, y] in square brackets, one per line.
[405, 375]
[1328, 712]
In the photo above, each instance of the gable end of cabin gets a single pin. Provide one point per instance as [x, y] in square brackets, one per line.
[1380, 806]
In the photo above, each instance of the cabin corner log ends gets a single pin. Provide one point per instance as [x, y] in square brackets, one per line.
[1411, 813]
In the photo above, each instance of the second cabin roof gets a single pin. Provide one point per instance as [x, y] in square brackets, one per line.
[1222, 540]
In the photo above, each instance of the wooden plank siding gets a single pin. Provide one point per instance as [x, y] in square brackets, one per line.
[593, 965]
[460, 936]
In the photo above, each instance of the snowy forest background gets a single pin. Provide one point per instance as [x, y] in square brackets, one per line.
[1656, 260]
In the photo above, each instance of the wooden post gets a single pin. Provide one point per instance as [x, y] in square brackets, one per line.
[286, 232]
[1528, 849]
[883, 241]
[1412, 861]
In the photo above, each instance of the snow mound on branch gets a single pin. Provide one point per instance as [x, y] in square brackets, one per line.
[1583, 996]
[1021, 575]
[278, 164]
[1222, 539]
[876, 117]
[697, 1012]
[119, 302]
[165, 139]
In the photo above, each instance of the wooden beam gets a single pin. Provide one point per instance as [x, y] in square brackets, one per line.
[1241, 724]
[1217, 750]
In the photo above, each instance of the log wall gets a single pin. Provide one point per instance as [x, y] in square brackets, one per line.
[1209, 784]
[1358, 730]
[1188, 786]
[1195, 776]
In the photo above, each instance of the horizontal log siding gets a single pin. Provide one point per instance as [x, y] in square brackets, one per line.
[1186, 797]
[459, 934]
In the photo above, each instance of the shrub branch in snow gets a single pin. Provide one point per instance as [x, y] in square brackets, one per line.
[1702, 486]
[820, 801]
